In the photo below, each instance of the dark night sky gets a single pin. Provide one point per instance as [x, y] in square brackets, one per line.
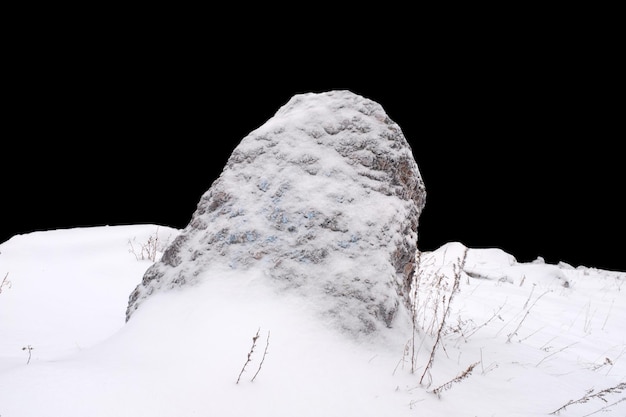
[518, 146]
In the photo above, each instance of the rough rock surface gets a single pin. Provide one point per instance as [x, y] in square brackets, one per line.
[325, 198]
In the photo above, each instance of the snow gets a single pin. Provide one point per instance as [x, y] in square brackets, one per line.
[540, 336]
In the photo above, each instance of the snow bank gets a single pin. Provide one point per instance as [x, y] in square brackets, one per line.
[65, 286]
[535, 344]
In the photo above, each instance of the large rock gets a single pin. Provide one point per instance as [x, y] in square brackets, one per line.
[324, 198]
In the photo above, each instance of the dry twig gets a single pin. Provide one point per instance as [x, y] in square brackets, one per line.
[455, 287]
[249, 359]
[458, 378]
[589, 396]
[267, 344]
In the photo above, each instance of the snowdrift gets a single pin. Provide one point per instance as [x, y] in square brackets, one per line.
[517, 339]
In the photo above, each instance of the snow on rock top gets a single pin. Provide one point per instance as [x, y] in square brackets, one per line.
[324, 199]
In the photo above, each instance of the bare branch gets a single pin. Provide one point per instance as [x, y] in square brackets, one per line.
[249, 359]
[267, 343]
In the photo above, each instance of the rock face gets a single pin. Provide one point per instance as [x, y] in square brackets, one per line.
[324, 198]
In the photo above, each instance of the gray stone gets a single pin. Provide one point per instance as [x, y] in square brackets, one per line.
[324, 198]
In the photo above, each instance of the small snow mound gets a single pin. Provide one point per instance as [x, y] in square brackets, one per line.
[493, 264]
[564, 265]
[489, 258]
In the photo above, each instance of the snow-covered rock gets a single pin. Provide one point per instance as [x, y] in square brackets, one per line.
[324, 199]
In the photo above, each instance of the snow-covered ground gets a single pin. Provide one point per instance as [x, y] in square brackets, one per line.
[516, 339]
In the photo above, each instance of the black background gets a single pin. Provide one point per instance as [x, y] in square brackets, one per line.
[517, 132]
